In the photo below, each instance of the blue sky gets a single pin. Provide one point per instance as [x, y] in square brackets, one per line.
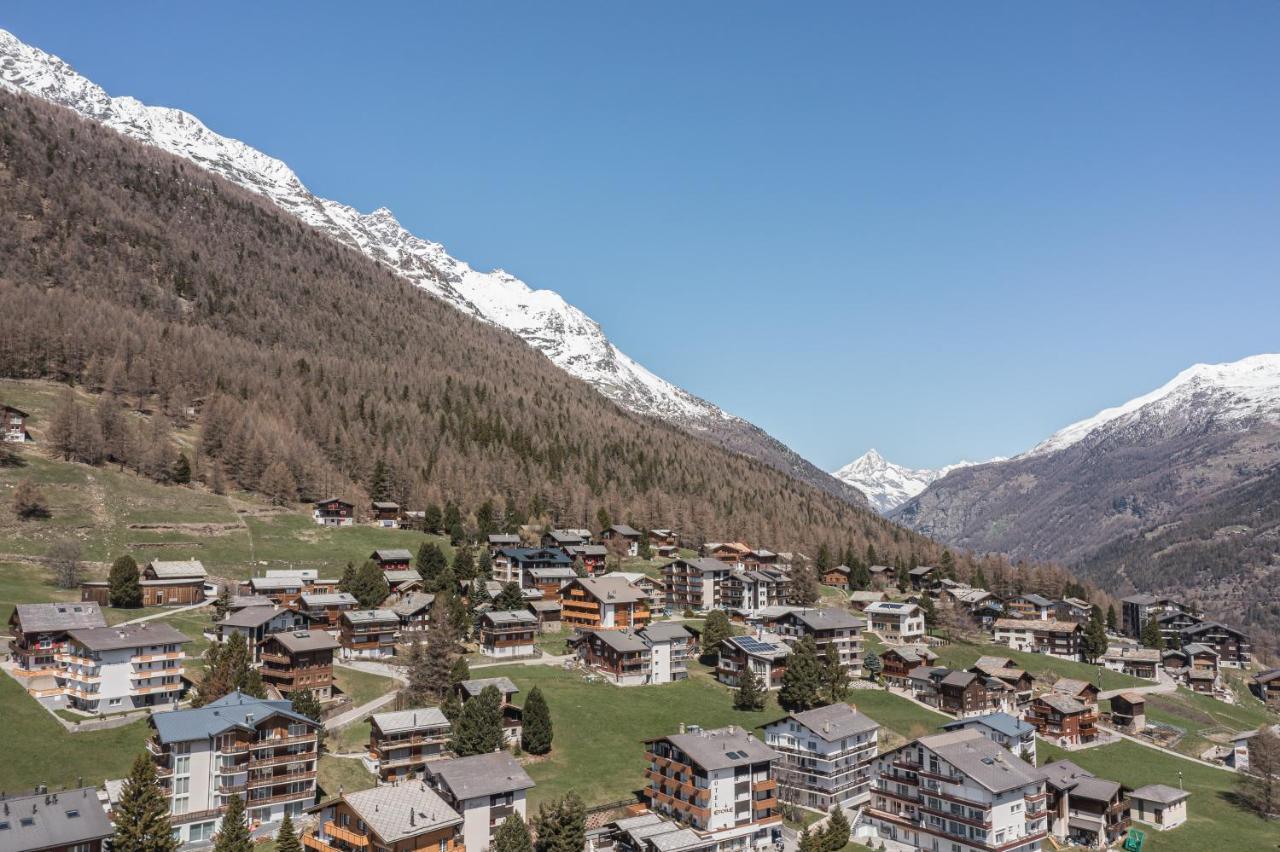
[944, 230]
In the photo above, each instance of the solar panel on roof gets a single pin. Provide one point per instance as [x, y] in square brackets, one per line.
[754, 646]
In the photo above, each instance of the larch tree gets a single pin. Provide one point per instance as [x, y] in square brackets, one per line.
[141, 816]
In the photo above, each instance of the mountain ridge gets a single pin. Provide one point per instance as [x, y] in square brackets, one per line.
[541, 317]
[888, 485]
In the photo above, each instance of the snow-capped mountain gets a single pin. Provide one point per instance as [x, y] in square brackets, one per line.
[566, 335]
[888, 485]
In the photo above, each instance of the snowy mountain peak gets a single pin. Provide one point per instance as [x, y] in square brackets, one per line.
[888, 485]
[1235, 393]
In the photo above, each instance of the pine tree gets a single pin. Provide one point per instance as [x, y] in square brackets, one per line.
[348, 579]
[509, 598]
[441, 649]
[229, 667]
[930, 612]
[561, 825]
[370, 585]
[750, 694]
[536, 734]
[486, 519]
[1111, 618]
[579, 567]
[484, 566]
[460, 671]
[222, 604]
[420, 690]
[859, 576]
[802, 680]
[479, 727]
[432, 519]
[181, 470]
[824, 559]
[305, 703]
[123, 589]
[804, 588]
[871, 662]
[142, 814]
[715, 630]
[451, 707]
[835, 677]
[836, 834]
[872, 557]
[603, 521]
[1095, 635]
[1151, 635]
[287, 837]
[464, 565]
[512, 836]
[380, 482]
[430, 563]
[234, 835]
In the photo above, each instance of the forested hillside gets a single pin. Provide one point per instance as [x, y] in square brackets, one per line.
[135, 273]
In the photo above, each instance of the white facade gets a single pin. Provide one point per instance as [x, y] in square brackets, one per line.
[827, 756]
[120, 679]
[668, 660]
[898, 623]
[478, 813]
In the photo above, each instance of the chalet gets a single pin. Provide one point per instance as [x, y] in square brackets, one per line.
[694, 584]
[1030, 606]
[497, 541]
[923, 683]
[1137, 610]
[65, 821]
[651, 588]
[386, 514]
[1159, 805]
[1062, 719]
[507, 633]
[325, 610]
[965, 694]
[511, 562]
[836, 576]
[393, 559]
[734, 805]
[239, 602]
[256, 623]
[402, 582]
[592, 556]
[547, 614]
[297, 660]
[485, 789]
[620, 656]
[833, 630]
[595, 603]
[629, 536]
[728, 552]
[922, 577]
[548, 581]
[566, 538]
[1081, 690]
[1129, 712]
[896, 623]
[512, 720]
[1266, 685]
[1004, 730]
[39, 634]
[366, 633]
[759, 557]
[413, 611]
[333, 512]
[900, 660]
[1005, 670]
[285, 588]
[765, 653]
[1072, 609]
[827, 756]
[1137, 662]
[14, 425]
[206, 754]
[860, 600]
[884, 572]
[666, 551]
[1085, 810]
[1061, 639]
[173, 583]
[987, 613]
[1173, 623]
[408, 816]
[664, 538]
[402, 741]
[1231, 645]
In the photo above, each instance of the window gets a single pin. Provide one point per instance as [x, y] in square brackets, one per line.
[182, 765]
[181, 786]
[82, 847]
[113, 702]
[444, 844]
[200, 831]
[181, 804]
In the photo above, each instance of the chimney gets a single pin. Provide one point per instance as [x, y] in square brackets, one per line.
[682, 727]
[411, 820]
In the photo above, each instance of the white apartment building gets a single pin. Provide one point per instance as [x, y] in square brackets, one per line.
[668, 651]
[833, 630]
[1061, 639]
[236, 746]
[112, 669]
[827, 756]
[485, 789]
[896, 623]
[958, 791]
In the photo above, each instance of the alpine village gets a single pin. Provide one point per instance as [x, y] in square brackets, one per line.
[296, 555]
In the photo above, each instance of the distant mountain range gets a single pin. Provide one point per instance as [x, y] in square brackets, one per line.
[542, 318]
[888, 485]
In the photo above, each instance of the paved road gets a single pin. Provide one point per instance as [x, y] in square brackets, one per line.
[355, 714]
[166, 613]
[1166, 685]
[544, 660]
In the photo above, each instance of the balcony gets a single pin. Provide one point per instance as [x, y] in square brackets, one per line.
[283, 778]
[151, 658]
[345, 835]
[284, 797]
[283, 758]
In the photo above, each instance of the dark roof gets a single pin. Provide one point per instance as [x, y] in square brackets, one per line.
[826, 619]
[298, 641]
[251, 616]
[128, 636]
[624, 530]
[611, 589]
[534, 554]
[393, 554]
[1001, 723]
[622, 641]
[1062, 703]
[227, 713]
[52, 820]
[54, 617]
[480, 775]
[474, 687]
[1267, 676]
[662, 631]
[989, 764]
[1066, 775]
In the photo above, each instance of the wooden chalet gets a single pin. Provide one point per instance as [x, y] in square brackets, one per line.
[629, 536]
[1062, 719]
[385, 513]
[173, 583]
[365, 633]
[899, 661]
[408, 817]
[603, 603]
[507, 633]
[334, 512]
[836, 576]
[402, 741]
[297, 660]
[393, 559]
[13, 425]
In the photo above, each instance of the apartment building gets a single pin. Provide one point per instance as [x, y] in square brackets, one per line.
[749, 591]
[1002, 729]
[405, 817]
[298, 660]
[1085, 810]
[1061, 639]
[110, 669]
[1137, 610]
[325, 609]
[833, 630]
[961, 792]
[1138, 662]
[256, 623]
[720, 783]
[896, 623]
[669, 647]
[1031, 606]
[765, 653]
[510, 563]
[507, 633]
[368, 633]
[1231, 645]
[694, 584]
[65, 821]
[657, 654]
[242, 746]
[603, 603]
[402, 741]
[1007, 671]
[827, 755]
[39, 632]
[485, 789]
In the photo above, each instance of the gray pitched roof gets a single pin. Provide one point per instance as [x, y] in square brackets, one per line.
[395, 812]
[722, 748]
[414, 603]
[56, 617]
[510, 616]
[663, 631]
[989, 764]
[243, 601]
[545, 606]
[480, 775]
[395, 554]
[298, 641]
[1066, 775]
[56, 820]
[622, 641]
[128, 636]
[165, 570]
[827, 619]
[410, 720]
[474, 687]
[1062, 702]
[227, 713]
[330, 599]
[1162, 793]
[835, 721]
[611, 589]
[1001, 723]
[624, 530]
[912, 653]
[369, 616]
[251, 616]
